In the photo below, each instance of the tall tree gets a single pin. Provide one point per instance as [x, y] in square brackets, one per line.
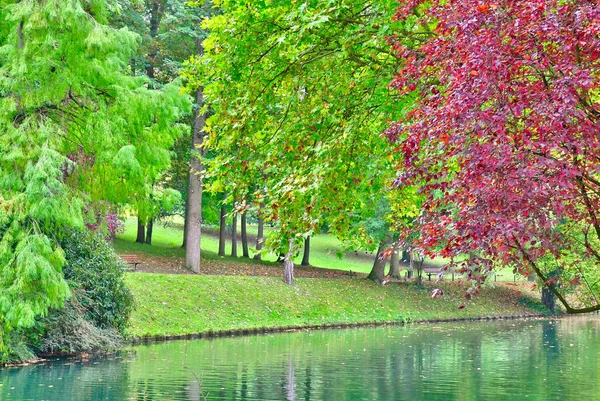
[222, 229]
[76, 128]
[300, 97]
[260, 234]
[193, 216]
[244, 232]
[504, 142]
[378, 271]
[234, 235]
[171, 33]
[306, 252]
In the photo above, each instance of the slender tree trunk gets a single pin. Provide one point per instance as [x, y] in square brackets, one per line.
[234, 236]
[184, 242]
[155, 18]
[185, 220]
[244, 224]
[20, 36]
[548, 298]
[416, 266]
[149, 228]
[141, 231]
[395, 263]
[288, 264]
[378, 271]
[306, 256]
[406, 259]
[223, 229]
[194, 215]
[260, 237]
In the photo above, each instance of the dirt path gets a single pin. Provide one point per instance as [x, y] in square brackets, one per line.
[242, 267]
[248, 267]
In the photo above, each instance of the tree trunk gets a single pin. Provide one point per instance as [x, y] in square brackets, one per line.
[243, 223]
[185, 220]
[156, 14]
[395, 263]
[378, 270]
[194, 208]
[288, 265]
[234, 236]
[20, 36]
[416, 266]
[141, 231]
[149, 228]
[223, 229]
[548, 298]
[306, 256]
[260, 238]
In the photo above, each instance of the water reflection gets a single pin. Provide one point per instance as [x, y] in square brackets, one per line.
[542, 360]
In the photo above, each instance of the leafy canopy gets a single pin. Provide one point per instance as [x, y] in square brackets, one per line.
[504, 140]
[76, 128]
[300, 96]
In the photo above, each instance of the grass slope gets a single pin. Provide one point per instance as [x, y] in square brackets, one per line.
[169, 305]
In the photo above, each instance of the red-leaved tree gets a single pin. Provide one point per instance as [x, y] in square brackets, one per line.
[504, 140]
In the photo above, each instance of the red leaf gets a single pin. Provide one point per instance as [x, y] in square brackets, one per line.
[484, 8]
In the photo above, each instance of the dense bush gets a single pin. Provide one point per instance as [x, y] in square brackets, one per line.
[95, 275]
[94, 317]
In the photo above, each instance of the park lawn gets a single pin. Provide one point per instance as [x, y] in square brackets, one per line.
[325, 249]
[167, 239]
[173, 305]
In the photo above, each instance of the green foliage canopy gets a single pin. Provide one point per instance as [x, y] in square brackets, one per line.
[76, 128]
[300, 97]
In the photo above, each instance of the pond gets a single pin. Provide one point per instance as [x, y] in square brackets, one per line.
[533, 360]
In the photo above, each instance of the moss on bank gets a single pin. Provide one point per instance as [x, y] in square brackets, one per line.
[177, 305]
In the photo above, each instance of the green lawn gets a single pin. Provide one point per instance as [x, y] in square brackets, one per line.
[325, 249]
[166, 241]
[168, 305]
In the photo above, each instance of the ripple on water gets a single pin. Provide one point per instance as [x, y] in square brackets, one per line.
[539, 360]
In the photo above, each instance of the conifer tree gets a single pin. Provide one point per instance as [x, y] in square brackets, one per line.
[75, 128]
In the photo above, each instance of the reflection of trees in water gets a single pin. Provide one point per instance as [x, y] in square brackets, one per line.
[194, 391]
[68, 380]
[290, 380]
[444, 362]
[145, 390]
[307, 383]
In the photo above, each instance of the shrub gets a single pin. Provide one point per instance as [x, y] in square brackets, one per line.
[95, 275]
[67, 331]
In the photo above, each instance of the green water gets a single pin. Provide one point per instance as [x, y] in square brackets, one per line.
[510, 360]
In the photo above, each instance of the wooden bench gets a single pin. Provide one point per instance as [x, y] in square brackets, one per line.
[130, 260]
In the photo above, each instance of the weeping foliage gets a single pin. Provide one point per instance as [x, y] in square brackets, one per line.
[76, 128]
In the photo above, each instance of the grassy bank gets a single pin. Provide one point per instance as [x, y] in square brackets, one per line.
[171, 305]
